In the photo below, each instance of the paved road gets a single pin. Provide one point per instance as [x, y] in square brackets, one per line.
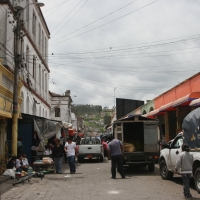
[92, 182]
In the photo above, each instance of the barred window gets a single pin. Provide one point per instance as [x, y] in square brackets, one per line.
[57, 112]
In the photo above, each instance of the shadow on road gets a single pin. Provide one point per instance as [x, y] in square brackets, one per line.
[93, 161]
[140, 171]
[178, 180]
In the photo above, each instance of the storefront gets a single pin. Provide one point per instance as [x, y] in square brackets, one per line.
[172, 106]
[6, 98]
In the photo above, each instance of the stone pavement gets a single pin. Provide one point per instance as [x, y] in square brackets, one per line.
[93, 182]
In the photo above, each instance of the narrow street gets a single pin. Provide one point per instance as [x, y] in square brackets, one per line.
[92, 182]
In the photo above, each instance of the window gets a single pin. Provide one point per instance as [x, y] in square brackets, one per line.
[39, 37]
[27, 14]
[177, 143]
[46, 49]
[27, 58]
[40, 75]
[57, 112]
[42, 43]
[45, 82]
[34, 23]
[34, 64]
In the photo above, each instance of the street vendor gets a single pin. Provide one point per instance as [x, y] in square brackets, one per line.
[11, 163]
[25, 160]
[19, 164]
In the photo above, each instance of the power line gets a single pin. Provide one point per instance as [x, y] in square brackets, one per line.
[111, 86]
[97, 20]
[107, 22]
[114, 55]
[66, 17]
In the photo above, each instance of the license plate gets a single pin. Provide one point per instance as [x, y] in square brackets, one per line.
[89, 156]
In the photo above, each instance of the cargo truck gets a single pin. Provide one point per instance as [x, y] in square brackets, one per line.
[143, 134]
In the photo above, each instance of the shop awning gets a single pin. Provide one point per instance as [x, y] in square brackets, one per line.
[195, 102]
[186, 99]
[165, 107]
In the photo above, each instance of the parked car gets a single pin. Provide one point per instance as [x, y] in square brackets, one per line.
[90, 147]
[170, 151]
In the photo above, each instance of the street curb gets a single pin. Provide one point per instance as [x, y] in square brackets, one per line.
[3, 179]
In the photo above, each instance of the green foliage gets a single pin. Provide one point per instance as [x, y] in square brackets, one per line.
[107, 119]
[80, 109]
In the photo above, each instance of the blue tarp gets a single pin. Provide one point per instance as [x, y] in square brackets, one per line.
[191, 131]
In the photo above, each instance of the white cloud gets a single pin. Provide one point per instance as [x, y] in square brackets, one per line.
[165, 19]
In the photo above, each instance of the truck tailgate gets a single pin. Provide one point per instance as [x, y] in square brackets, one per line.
[89, 149]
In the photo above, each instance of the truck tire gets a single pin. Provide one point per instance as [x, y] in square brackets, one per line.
[197, 179]
[151, 167]
[101, 159]
[164, 173]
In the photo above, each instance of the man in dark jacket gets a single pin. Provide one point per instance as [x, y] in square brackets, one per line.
[57, 153]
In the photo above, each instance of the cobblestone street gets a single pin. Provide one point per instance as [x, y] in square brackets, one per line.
[92, 182]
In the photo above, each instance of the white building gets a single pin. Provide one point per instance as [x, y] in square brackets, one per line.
[34, 50]
[74, 121]
[61, 106]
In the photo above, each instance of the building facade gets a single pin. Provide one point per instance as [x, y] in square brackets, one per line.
[34, 70]
[6, 98]
[61, 106]
[171, 107]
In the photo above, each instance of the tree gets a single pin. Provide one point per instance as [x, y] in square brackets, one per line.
[107, 119]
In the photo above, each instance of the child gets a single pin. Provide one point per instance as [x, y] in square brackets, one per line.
[184, 166]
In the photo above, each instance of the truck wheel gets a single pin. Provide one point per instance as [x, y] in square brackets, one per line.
[151, 167]
[164, 173]
[101, 159]
[197, 179]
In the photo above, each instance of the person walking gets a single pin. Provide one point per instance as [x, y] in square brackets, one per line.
[115, 151]
[105, 147]
[70, 149]
[58, 153]
[184, 167]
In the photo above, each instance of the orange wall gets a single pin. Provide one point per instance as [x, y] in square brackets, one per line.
[181, 90]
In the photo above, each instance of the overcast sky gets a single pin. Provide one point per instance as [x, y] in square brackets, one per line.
[142, 48]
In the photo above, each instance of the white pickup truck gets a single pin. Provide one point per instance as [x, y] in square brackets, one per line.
[169, 154]
[90, 147]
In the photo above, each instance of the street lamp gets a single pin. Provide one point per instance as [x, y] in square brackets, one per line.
[19, 9]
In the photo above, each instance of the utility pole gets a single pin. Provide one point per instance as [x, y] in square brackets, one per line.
[16, 81]
[18, 59]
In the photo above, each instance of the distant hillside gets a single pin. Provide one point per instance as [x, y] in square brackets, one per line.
[80, 109]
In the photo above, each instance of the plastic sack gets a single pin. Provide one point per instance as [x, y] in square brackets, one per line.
[9, 172]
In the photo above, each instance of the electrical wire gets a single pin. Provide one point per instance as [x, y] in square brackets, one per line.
[98, 19]
[105, 84]
[105, 23]
[65, 17]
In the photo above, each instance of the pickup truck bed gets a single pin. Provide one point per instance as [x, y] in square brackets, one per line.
[88, 149]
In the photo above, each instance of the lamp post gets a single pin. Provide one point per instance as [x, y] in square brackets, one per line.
[17, 59]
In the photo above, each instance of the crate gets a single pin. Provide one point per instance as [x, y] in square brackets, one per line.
[128, 147]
